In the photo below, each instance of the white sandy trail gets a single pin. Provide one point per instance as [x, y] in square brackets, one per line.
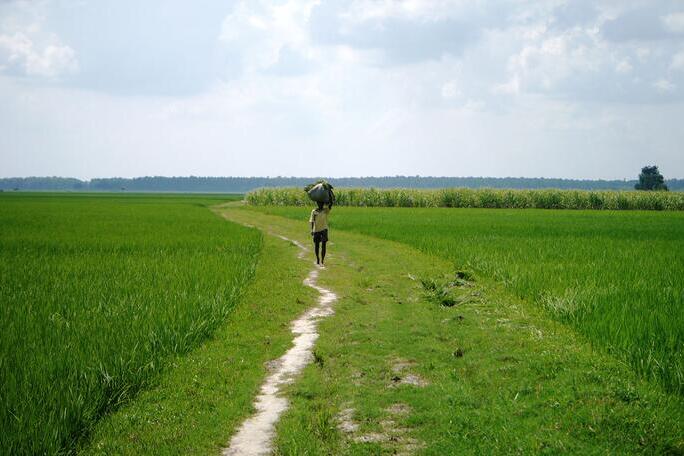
[255, 435]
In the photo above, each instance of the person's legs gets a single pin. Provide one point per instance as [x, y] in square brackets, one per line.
[323, 252]
[316, 248]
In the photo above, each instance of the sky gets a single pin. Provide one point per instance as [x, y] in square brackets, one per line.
[559, 88]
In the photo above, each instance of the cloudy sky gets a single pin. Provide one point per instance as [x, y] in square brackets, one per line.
[559, 88]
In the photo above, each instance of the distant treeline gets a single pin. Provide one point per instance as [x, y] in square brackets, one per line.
[246, 184]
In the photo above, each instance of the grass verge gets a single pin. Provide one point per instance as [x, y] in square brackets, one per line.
[396, 371]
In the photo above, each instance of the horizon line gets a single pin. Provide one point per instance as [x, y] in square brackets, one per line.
[623, 179]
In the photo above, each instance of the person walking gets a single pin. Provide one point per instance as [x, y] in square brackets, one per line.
[319, 230]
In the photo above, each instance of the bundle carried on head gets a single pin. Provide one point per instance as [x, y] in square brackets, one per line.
[320, 192]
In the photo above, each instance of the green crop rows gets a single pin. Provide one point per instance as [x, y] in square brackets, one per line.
[479, 198]
[97, 294]
[617, 277]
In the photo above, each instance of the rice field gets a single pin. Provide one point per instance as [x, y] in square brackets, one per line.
[617, 277]
[479, 198]
[98, 293]
[101, 293]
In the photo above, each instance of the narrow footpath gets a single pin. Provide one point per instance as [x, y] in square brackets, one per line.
[255, 435]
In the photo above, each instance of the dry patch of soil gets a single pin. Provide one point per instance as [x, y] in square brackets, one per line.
[391, 435]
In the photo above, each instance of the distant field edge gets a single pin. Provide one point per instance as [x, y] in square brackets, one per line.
[66, 192]
[479, 198]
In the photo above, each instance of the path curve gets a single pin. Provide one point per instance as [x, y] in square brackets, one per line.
[255, 435]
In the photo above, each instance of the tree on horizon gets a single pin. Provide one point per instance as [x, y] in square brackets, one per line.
[651, 179]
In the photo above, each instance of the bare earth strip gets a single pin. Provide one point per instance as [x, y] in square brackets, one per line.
[255, 435]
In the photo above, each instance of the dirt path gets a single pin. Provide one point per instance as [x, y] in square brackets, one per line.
[255, 435]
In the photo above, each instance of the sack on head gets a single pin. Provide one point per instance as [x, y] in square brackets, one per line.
[321, 193]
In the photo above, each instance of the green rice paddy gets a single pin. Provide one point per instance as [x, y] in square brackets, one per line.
[97, 294]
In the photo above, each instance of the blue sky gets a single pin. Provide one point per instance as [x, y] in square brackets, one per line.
[575, 89]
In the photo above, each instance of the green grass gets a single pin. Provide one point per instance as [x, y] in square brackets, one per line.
[197, 405]
[616, 277]
[97, 294]
[112, 278]
[479, 198]
[523, 384]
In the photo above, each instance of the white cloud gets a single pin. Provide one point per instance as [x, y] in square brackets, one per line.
[643, 52]
[664, 86]
[511, 87]
[365, 10]
[451, 90]
[260, 30]
[549, 62]
[19, 51]
[475, 105]
[674, 22]
[624, 66]
[28, 48]
[678, 61]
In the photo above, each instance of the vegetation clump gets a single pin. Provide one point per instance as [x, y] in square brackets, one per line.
[479, 198]
[651, 179]
[444, 291]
